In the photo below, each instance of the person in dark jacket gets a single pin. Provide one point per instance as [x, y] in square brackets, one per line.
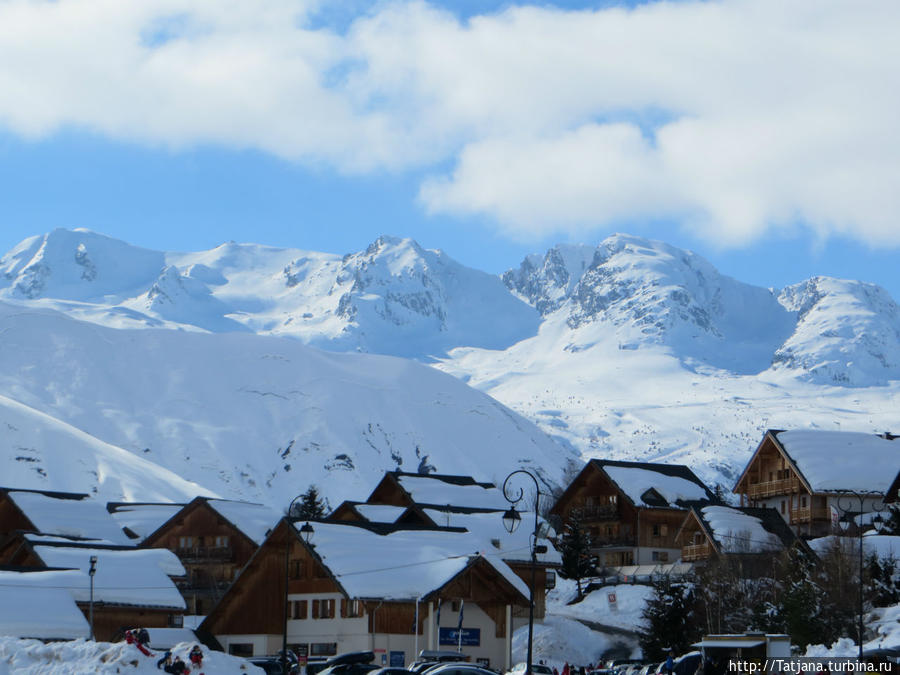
[196, 656]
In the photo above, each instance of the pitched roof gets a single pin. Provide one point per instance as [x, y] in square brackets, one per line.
[400, 563]
[831, 461]
[68, 514]
[254, 520]
[744, 529]
[655, 485]
[456, 491]
[142, 519]
[31, 607]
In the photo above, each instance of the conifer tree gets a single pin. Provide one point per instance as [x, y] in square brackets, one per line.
[577, 561]
[311, 506]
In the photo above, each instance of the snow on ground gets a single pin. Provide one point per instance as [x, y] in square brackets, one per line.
[625, 612]
[32, 657]
[886, 546]
[559, 640]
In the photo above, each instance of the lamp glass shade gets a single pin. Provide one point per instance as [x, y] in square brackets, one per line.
[511, 520]
[306, 532]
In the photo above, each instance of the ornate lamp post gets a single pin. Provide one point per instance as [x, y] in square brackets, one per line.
[306, 532]
[511, 521]
[845, 503]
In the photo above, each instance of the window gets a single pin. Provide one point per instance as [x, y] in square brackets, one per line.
[660, 556]
[698, 538]
[296, 569]
[222, 541]
[351, 608]
[660, 530]
[185, 542]
[782, 506]
[299, 609]
[771, 477]
[323, 649]
[242, 649]
[323, 609]
[803, 501]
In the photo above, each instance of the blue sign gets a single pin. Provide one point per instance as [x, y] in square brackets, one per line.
[471, 637]
[398, 659]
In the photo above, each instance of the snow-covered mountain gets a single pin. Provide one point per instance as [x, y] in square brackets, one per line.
[243, 415]
[629, 349]
[393, 298]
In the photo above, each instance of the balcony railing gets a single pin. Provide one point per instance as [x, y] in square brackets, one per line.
[806, 514]
[206, 553]
[696, 552]
[773, 487]
[620, 540]
[598, 512]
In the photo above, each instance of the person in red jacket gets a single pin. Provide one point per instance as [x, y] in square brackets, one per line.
[196, 657]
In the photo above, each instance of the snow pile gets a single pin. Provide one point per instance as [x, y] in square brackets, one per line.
[559, 640]
[822, 458]
[738, 532]
[625, 612]
[843, 647]
[31, 657]
[885, 546]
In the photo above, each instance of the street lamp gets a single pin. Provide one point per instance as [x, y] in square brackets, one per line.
[92, 570]
[306, 532]
[878, 522]
[511, 521]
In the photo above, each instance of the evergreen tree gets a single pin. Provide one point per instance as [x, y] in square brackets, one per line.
[670, 620]
[575, 548]
[310, 506]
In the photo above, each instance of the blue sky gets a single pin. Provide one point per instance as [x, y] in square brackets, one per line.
[490, 131]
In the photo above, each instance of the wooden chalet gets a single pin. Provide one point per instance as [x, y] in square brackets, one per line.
[718, 530]
[632, 510]
[67, 514]
[446, 500]
[213, 539]
[359, 586]
[132, 587]
[808, 476]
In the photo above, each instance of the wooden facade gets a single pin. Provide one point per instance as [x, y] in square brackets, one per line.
[212, 550]
[772, 479]
[13, 520]
[622, 532]
[325, 619]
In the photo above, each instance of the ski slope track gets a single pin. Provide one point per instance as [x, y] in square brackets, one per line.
[204, 363]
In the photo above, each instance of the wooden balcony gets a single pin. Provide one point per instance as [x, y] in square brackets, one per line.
[696, 552]
[807, 514]
[201, 554]
[610, 541]
[773, 488]
[597, 512]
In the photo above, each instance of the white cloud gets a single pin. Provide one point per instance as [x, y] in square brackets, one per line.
[736, 117]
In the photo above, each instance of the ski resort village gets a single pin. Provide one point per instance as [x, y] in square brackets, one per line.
[626, 564]
[449, 337]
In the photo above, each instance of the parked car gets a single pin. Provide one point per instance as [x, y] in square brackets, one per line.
[459, 669]
[391, 670]
[687, 664]
[536, 668]
[270, 664]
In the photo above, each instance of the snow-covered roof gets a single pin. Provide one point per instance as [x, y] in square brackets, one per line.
[842, 460]
[123, 576]
[144, 519]
[736, 531]
[636, 481]
[254, 520]
[82, 518]
[436, 492]
[380, 513]
[488, 528]
[28, 610]
[884, 546]
[402, 565]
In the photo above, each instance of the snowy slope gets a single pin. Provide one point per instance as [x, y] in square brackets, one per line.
[393, 298]
[244, 416]
[632, 349]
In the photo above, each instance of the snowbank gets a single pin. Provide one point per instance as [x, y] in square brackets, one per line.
[32, 657]
[559, 640]
[625, 612]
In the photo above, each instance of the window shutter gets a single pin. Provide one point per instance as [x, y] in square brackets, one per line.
[315, 609]
[343, 608]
